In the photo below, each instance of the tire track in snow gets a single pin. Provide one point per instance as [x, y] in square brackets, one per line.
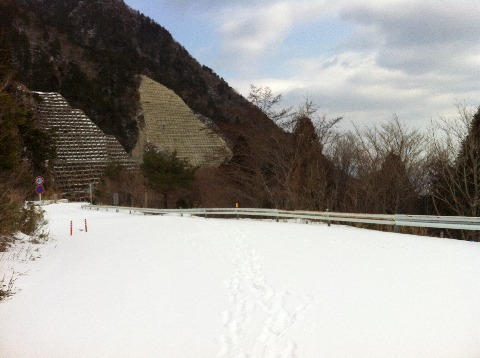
[261, 316]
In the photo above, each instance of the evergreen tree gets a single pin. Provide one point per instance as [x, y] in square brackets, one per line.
[310, 181]
[467, 169]
[14, 168]
[10, 142]
[456, 184]
[455, 188]
[165, 172]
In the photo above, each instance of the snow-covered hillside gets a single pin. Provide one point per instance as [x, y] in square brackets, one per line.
[170, 286]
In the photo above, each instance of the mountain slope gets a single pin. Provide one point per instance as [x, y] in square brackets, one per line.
[92, 53]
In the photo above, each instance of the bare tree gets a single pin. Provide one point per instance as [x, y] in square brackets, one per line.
[382, 168]
[454, 160]
[128, 183]
[283, 168]
[263, 98]
[343, 151]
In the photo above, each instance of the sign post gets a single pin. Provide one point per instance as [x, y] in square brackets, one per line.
[39, 189]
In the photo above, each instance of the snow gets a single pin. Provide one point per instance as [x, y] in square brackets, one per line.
[171, 286]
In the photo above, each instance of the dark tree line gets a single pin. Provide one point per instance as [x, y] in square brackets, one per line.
[389, 168]
[163, 179]
[25, 150]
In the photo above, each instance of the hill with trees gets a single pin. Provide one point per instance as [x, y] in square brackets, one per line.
[92, 53]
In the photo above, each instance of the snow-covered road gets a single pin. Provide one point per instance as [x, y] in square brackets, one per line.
[169, 286]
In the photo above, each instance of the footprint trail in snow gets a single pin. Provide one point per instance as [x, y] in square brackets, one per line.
[259, 321]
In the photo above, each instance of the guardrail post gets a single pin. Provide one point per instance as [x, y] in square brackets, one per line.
[328, 218]
[396, 228]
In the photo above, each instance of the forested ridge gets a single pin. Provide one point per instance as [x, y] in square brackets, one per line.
[92, 51]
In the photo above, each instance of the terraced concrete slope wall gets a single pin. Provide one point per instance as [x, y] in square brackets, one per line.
[168, 123]
[83, 150]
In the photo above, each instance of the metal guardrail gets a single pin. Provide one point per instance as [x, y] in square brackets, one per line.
[425, 221]
[439, 222]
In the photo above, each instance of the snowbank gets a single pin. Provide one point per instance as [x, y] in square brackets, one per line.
[169, 286]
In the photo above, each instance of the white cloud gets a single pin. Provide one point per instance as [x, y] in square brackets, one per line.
[413, 58]
[416, 37]
[354, 86]
[251, 32]
[248, 33]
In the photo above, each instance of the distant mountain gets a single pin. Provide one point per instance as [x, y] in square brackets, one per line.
[93, 53]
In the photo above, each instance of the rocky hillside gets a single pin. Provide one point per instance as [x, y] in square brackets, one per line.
[92, 52]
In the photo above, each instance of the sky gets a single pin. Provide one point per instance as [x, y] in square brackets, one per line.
[364, 60]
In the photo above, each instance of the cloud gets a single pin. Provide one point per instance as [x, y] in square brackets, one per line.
[208, 5]
[353, 85]
[252, 32]
[413, 58]
[415, 37]
[419, 24]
